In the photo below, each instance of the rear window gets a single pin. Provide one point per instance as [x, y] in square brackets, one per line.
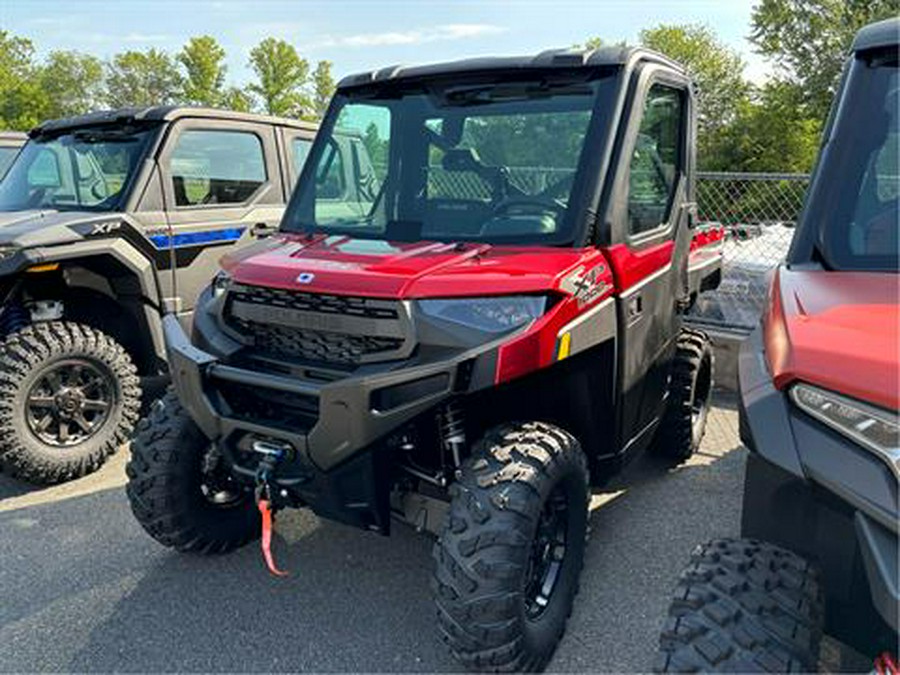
[859, 228]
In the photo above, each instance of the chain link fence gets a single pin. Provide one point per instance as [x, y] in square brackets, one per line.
[759, 212]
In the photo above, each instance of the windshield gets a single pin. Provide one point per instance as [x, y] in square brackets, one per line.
[462, 162]
[84, 170]
[7, 155]
[859, 224]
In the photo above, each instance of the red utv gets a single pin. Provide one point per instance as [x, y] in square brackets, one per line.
[465, 338]
[820, 392]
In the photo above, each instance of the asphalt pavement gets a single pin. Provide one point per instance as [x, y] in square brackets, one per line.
[83, 588]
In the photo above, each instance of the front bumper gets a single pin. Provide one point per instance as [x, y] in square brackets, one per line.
[350, 415]
[814, 491]
[337, 459]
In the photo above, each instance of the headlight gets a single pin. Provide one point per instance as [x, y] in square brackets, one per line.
[220, 283]
[873, 428]
[492, 315]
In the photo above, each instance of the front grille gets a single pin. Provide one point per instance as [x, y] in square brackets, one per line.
[318, 328]
[317, 345]
[314, 302]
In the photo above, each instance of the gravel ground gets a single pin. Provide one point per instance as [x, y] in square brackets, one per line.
[84, 589]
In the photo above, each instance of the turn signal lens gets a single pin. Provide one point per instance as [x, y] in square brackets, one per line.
[220, 283]
[565, 344]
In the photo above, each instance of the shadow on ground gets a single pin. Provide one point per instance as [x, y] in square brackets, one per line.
[86, 590]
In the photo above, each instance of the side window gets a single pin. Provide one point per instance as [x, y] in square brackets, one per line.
[657, 159]
[874, 228]
[350, 167]
[217, 167]
[300, 148]
[44, 171]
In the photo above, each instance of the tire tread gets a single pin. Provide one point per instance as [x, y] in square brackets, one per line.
[743, 605]
[495, 502]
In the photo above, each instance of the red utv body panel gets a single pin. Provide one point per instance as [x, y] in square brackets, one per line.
[346, 266]
[579, 278]
[837, 330]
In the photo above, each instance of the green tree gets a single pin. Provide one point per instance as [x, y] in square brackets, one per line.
[73, 83]
[323, 88]
[23, 103]
[203, 60]
[591, 43]
[772, 132]
[142, 79]
[17, 57]
[281, 75]
[235, 98]
[807, 41]
[716, 69]
[376, 148]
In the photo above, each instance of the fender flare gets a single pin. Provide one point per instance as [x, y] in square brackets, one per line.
[135, 262]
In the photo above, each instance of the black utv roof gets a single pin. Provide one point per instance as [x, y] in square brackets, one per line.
[162, 113]
[550, 59]
[881, 34]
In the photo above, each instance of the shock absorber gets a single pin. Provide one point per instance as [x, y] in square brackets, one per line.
[452, 430]
[13, 317]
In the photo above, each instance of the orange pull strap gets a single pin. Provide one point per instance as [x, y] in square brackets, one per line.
[266, 542]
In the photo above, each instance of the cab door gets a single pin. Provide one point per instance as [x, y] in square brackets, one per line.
[649, 245]
[223, 189]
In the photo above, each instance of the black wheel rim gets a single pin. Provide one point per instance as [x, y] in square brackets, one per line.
[548, 552]
[69, 402]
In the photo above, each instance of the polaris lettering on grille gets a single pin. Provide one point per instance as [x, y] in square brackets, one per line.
[319, 327]
[317, 321]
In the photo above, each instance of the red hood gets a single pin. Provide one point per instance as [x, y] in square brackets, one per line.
[838, 330]
[341, 265]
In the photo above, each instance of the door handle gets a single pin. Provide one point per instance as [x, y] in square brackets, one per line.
[634, 307]
[262, 230]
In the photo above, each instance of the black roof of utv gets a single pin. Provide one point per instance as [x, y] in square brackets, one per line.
[550, 59]
[881, 34]
[160, 113]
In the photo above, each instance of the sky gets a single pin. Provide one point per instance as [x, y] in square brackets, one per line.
[359, 35]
